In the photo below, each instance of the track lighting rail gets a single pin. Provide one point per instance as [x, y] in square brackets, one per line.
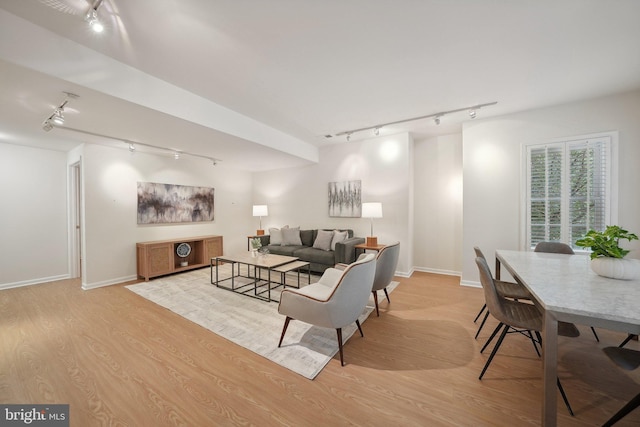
[437, 116]
[131, 145]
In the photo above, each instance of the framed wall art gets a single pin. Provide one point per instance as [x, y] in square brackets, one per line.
[170, 203]
[345, 199]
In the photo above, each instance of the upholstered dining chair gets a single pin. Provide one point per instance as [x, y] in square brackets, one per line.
[506, 289]
[559, 248]
[335, 301]
[513, 316]
[629, 360]
[386, 263]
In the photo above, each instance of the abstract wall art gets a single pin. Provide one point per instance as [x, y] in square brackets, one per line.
[169, 203]
[345, 199]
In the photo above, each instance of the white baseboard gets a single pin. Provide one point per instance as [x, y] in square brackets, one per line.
[470, 284]
[88, 286]
[403, 274]
[34, 281]
[437, 271]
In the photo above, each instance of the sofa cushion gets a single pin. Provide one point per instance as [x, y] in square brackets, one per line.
[276, 235]
[323, 240]
[338, 236]
[314, 255]
[284, 250]
[291, 237]
[307, 237]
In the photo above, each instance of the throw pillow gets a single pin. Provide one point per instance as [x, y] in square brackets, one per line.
[338, 236]
[308, 237]
[323, 240]
[276, 236]
[291, 237]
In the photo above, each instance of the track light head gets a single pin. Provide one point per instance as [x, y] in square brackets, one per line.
[472, 113]
[132, 148]
[93, 20]
[437, 120]
[176, 155]
[97, 26]
[58, 116]
[376, 131]
[349, 137]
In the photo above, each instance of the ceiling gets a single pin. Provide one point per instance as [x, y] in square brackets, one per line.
[258, 84]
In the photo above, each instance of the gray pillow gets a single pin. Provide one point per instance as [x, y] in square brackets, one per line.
[323, 240]
[291, 237]
[276, 236]
[338, 236]
[308, 237]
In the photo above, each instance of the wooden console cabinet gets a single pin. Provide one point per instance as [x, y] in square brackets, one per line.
[159, 257]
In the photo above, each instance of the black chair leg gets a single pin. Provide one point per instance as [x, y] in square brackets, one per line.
[626, 340]
[494, 351]
[564, 397]
[386, 294]
[633, 404]
[286, 324]
[479, 313]
[339, 332]
[359, 328]
[533, 341]
[493, 334]
[595, 334]
[375, 300]
[482, 324]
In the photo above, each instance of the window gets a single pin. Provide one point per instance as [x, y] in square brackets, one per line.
[568, 189]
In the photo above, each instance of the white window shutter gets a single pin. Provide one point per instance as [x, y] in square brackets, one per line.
[567, 189]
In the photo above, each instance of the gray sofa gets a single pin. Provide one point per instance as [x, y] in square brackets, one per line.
[319, 259]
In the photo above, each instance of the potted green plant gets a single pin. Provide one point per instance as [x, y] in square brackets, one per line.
[607, 257]
[256, 244]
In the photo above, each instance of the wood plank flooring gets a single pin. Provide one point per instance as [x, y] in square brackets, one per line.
[120, 360]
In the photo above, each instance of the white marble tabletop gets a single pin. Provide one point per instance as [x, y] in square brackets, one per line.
[566, 286]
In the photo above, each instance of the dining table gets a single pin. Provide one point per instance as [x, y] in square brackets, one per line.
[566, 289]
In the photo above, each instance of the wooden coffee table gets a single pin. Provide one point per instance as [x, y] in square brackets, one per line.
[258, 286]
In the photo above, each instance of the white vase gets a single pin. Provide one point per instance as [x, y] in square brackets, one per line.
[616, 268]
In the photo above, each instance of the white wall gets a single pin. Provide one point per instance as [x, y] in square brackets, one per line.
[110, 214]
[428, 223]
[34, 213]
[33, 216]
[299, 196]
[438, 204]
[493, 215]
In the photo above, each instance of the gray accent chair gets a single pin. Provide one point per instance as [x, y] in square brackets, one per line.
[387, 262]
[335, 301]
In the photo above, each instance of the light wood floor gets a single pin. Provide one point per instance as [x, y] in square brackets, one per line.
[120, 360]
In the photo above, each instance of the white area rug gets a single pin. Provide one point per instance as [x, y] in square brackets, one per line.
[249, 322]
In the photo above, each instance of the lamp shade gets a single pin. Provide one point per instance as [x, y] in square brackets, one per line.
[260, 210]
[372, 210]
